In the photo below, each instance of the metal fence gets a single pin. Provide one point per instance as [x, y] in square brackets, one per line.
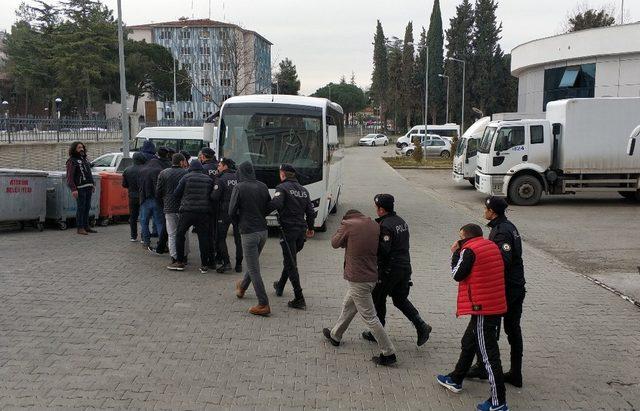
[23, 129]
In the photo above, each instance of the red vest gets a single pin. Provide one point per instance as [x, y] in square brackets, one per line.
[482, 292]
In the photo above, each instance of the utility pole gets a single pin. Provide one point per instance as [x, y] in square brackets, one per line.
[123, 87]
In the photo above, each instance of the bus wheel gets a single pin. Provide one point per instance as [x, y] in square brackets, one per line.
[630, 195]
[525, 190]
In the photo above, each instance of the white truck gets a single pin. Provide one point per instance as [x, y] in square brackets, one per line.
[579, 147]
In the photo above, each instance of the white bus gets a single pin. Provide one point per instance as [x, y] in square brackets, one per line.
[448, 131]
[269, 130]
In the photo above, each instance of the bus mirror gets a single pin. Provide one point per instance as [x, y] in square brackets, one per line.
[333, 135]
[209, 132]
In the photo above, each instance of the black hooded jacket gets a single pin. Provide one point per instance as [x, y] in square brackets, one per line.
[222, 189]
[293, 203]
[147, 179]
[194, 191]
[132, 173]
[506, 236]
[249, 201]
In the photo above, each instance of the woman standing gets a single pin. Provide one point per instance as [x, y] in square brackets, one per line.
[80, 181]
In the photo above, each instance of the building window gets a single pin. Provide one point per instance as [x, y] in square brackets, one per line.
[185, 34]
[207, 97]
[187, 114]
[226, 97]
[204, 34]
[205, 50]
[165, 34]
[169, 114]
[569, 82]
[185, 50]
[187, 66]
[205, 82]
[225, 66]
[225, 82]
[205, 66]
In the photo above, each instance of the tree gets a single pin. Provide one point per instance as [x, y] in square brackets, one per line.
[584, 18]
[459, 37]
[486, 35]
[349, 96]
[380, 75]
[435, 43]
[419, 73]
[287, 78]
[408, 78]
[394, 88]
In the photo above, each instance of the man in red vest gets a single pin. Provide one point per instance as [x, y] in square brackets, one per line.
[478, 268]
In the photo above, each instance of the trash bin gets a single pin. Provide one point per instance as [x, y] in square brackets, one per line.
[23, 196]
[61, 206]
[114, 199]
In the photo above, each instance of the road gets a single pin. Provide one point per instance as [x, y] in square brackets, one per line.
[99, 322]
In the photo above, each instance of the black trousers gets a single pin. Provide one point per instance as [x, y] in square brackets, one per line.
[163, 238]
[511, 321]
[397, 286]
[213, 238]
[83, 207]
[223, 223]
[481, 336]
[134, 212]
[291, 242]
[201, 223]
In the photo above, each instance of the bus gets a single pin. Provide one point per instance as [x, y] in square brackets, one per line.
[269, 130]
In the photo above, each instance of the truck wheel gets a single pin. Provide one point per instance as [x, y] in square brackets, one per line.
[525, 190]
[409, 152]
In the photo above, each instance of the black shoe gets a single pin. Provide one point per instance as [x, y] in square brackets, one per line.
[238, 267]
[385, 360]
[367, 335]
[298, 303]
[511, 378]
[327, 333]
[477, 371]
[153, 250]
[424, 330]
[279, 290]
[173, 260]
[224, 268]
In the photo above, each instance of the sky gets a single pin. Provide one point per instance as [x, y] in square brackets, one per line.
[331, 38]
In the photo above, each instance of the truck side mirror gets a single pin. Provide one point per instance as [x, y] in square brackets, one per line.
[631, 146]
[557, 128]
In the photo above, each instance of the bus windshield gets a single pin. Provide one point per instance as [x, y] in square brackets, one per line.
[269, 137]
[487, 139]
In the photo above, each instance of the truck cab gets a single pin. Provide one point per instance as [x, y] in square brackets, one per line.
[466, 155]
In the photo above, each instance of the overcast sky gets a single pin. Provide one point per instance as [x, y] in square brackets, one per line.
[330, 38]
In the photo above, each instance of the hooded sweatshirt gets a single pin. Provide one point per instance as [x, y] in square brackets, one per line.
[249, 201]
[131, 174]
[194, 190]
[148, 150]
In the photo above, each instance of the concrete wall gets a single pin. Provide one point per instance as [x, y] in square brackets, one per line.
[48, 155]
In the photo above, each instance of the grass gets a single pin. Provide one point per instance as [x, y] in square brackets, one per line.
[409, 162]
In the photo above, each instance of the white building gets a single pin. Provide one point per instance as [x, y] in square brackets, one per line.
[602, 62]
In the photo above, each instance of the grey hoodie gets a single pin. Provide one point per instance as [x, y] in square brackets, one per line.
[249, 201]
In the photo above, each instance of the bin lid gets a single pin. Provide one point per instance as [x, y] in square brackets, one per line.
[21, 172]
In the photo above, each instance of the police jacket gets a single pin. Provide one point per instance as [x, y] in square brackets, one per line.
[293, 204]
[168, 180]
[210, 168]
[222, 188]
[506, 236]
[79, 173]
[194, 191]
[249, 201]
[393, 249]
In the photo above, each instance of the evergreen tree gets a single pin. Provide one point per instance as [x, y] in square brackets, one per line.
[287, 78]
[349, 96]
[506, 85]
[486, 35]
[408, 78]
[459, 38]
[419, 74]
[380, 75]
[589, 19]
[435, 43]
[394, 89]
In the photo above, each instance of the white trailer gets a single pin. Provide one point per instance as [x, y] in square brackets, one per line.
[579, 147]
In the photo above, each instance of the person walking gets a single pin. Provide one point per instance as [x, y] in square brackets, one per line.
[394, 268]
[296, 217]
[168, 180]
[507, 237]
[194, 194]
[130, 182]
[164, 161]
[248, 208]
[226, 180]
[81, 184]
[358, 235]
[477, 266]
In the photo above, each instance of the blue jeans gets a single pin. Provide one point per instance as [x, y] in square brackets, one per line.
[83, 207]
[150, 209]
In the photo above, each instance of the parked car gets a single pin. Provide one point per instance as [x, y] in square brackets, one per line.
[432, 144]
[107, 162]
[374, 140]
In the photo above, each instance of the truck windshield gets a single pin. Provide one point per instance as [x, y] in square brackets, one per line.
[461, 146]
[487, 139]
[269, 137]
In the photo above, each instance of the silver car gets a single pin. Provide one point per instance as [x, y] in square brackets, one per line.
[432, 144]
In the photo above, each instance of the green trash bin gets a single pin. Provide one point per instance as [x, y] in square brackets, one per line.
[61, 206]
[23, 197]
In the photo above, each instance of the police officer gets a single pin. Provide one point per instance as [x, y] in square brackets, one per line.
[394, 268]
[296, 217]
[225, 181]
[506, 236]
[207, 157]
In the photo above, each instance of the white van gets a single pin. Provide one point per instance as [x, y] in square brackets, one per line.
[189, 139]
[448, 131]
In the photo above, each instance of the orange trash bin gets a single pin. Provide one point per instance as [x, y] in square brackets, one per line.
[114, 199]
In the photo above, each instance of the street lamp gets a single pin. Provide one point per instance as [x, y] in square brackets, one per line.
[464, 66]
[123, 86]
[5, 106]
[447, 112]
[58, 102]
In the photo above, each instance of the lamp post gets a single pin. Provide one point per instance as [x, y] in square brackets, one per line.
[464, 66]
[5, 106]
[123, 87]
[58, 102]
[447, 112]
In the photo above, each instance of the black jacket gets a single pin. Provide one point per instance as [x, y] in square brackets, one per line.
[210, 168]
[131, 174]
[168, 180]
[79, 172]
[506, 236]
[165, 163]
[393, 249]
[194, 191]
[147, 179]
[249, 201]
[293, 203]
[222, 189]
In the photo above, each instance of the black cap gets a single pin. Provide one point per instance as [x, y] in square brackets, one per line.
[208, 152]
[228, 162]
[186, 154]
[497, 204]
[385, 201]
[288, 168]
